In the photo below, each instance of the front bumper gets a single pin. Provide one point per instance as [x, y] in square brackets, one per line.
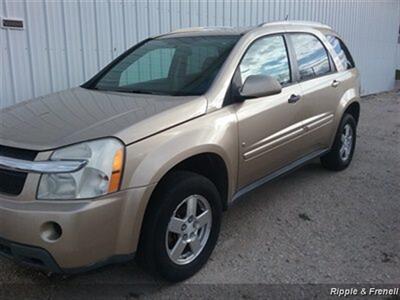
[93, 232]
[29, 256]
[41, 259]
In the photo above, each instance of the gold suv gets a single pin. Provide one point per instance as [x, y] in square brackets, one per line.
[144, 157]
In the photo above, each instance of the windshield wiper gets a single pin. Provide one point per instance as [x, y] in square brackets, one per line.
[139, 92]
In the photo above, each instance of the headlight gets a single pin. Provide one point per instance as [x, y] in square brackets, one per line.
[101, 175]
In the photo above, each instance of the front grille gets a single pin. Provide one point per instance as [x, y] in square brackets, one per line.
[12, 182]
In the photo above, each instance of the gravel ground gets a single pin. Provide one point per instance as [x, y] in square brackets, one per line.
[310, 227]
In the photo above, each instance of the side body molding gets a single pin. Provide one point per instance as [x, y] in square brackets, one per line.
[287, 135]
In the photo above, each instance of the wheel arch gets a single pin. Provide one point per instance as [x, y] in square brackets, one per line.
[353, 109]
[199, 163]
[209, 164]
[349, 103]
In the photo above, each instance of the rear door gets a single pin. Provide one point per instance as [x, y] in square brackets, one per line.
[321, 90]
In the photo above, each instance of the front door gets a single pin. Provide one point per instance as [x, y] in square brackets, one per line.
[269, 127]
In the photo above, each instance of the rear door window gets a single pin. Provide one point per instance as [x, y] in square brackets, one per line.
[312, 58]
[346, 61]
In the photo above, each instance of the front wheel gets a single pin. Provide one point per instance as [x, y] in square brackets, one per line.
[341, 153]
[182, 226]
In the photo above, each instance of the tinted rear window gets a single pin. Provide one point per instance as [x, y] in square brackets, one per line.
[346, 61]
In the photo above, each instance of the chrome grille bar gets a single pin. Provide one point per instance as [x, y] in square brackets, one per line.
[42, 167]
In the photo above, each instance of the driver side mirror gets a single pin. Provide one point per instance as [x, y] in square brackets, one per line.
[259, 86]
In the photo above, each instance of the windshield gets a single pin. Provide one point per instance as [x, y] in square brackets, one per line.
[169, 66]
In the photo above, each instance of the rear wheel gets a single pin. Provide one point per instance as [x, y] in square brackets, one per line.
[341, 153]
[181, 227]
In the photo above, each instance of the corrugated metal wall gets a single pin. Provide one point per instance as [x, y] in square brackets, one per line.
[66, 42]
[398, 56]
[398, 49]
[398, 52]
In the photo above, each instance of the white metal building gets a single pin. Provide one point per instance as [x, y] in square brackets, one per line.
[64, 43]
[397, 86]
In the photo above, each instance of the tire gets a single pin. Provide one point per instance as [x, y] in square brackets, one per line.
[340, 155]
[172, 198]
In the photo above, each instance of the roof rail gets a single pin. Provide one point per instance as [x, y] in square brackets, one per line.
[188, 29]
[304, 23]
[219, 29]
[204, 28]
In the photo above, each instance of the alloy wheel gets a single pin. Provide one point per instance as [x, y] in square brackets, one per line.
[188, 229]
[347, 142]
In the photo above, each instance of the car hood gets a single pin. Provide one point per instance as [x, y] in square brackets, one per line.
[79, 114]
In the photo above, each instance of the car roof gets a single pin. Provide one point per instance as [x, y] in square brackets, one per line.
[225, 30]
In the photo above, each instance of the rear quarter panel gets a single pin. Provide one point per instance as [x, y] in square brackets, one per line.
[350, 93]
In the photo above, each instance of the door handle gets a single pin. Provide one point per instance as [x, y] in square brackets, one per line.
[335, 83]
[294, 98]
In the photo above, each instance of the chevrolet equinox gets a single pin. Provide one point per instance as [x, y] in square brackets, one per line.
[141, 160]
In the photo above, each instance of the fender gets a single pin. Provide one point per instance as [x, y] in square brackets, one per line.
[149, 160]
